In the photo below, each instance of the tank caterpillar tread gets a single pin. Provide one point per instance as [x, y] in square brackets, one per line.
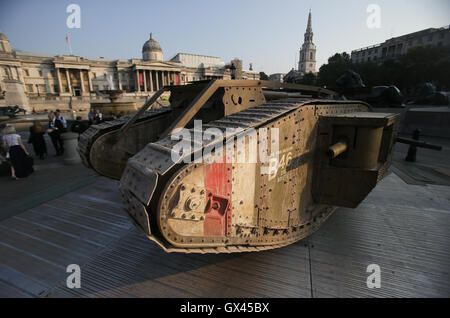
[95, 139]
[251, 219]
[324, 153]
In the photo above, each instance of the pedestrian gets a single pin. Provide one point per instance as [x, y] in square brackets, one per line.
[21, 162]
[98, 117]
[55, 128]
[61, 119]
[79, 126]
[37, 132]
[91, 116]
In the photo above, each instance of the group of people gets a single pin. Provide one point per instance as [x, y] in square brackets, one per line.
[57, 125]
[21, 161]
[95, 117]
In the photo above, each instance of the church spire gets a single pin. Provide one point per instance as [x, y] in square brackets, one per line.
[309, 27]
[309, 33]
[307, 62]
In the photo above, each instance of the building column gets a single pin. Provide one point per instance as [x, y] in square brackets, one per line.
[58, 76]
[16, 69]
[81, 82]
[157, 80]
[150, 78]
[138, 86]
[69, 85]
[90, 81]
[144, 75]
[118, 80]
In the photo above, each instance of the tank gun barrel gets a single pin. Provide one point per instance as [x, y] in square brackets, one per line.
[337, 149]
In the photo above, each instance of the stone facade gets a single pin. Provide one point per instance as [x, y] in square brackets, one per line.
[307, 62]
[398, 46]
[71, 82]
[277, 77]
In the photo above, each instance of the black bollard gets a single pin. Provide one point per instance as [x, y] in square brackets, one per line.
[412, 151]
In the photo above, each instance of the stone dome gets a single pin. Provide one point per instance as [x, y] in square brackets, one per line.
[151, 45]
[3, 37]
[151, 51]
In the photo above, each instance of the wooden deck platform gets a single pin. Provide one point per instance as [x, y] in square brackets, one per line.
[401, 227]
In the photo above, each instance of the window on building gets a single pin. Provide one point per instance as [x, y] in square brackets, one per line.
[95, 75]
[7, 73]
[442, 35]
[40, 73]
[391, 50]
[311, 56]
[430, 38]
[30, 88]
[55, 88]
[27, 73]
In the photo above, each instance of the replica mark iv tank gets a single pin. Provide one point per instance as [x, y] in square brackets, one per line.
[331, 153]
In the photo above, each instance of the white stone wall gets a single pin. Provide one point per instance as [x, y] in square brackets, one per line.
[401, 45]
[197, 61]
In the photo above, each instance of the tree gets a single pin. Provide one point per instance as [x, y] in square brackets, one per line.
[308, 79]
[337, 65]
[418, 66]
[263, 76]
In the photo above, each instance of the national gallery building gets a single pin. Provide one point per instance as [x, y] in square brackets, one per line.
[47, 82]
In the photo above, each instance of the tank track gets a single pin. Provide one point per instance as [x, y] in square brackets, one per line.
[306, 231]
[139, 180]
[88, 138]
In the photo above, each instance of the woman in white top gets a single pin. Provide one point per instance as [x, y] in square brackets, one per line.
[12, 142]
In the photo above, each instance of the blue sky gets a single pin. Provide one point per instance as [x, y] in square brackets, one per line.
[267, 33]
